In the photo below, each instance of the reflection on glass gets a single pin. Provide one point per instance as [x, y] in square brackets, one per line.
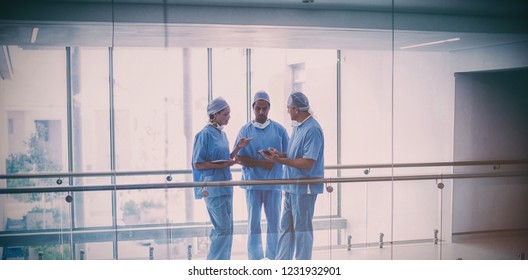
[34, 119]
[90, 133]
[160, 101]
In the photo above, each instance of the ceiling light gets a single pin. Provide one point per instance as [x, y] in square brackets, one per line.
[307, 1]
[430, 43]
[34, 34]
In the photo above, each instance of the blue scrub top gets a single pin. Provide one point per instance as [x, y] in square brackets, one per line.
[211, 144]
[274, 135]
[307, 141]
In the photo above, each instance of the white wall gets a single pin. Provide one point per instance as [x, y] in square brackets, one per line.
[412, 125]
[491, 124]
[424, 131]
[489, 204]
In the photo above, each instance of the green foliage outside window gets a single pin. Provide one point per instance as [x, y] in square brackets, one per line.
[37, 159]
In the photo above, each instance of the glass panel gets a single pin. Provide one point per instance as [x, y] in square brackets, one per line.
[33, 125]
[94, 251]
[269, 72]
[156, 133]
[422, 134]
[91, 133]
[366, 125]
[149, 103]
[229, 82]
[424, 126]
[449, 79]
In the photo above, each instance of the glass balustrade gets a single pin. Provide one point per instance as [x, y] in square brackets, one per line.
[425, 137]
[365, 214]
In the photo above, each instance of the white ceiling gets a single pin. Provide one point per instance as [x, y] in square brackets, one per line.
[338, 24]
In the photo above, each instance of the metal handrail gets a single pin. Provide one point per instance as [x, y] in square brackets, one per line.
[187, 171]
[175, 185]
[430, 164]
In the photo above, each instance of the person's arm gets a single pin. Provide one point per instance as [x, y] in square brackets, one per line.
[301, 163]
[251, 162]
[242, 143]
[212, 165]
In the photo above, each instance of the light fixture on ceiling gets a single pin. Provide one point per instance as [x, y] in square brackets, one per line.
[34, 35]
[307, 1]
[431, 43]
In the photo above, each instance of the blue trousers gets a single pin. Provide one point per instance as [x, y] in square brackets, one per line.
[296, 230]
[255, 199]
[220, 211]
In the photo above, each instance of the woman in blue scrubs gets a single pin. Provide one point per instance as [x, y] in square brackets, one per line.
[211, 162]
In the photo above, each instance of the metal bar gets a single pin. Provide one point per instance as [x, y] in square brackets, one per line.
[92, 174]
[69, 118]
[209, 74]
[339, 127]
[111, 120]
[328, 167]
[429, 164]
[138, 232]
[177, 185]
[248, 85]
[69, 108]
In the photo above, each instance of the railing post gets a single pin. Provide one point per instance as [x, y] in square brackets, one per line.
[151, 253]
[329, 188]
[381, 240]
[189, 252]
[435, 237]
[349, 242]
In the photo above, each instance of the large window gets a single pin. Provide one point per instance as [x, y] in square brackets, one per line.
[136, 110]
[35, 140]
[155, 105]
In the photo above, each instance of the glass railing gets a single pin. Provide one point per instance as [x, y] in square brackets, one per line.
[382, 211]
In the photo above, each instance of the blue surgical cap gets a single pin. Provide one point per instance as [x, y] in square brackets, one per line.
[216, 105]
[299, 100]
[261, 95]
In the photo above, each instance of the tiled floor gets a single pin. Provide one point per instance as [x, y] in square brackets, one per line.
[482, 246]
[485, 246]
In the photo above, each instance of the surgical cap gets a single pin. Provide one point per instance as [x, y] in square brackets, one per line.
[261, 95]
[216, 105]
[299, 100]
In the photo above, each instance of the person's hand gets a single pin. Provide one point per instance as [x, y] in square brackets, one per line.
[241, 160]
[230, 162]
[251, 162]
[243, 142]
[267, 164]
[270, 154]
[274, 151]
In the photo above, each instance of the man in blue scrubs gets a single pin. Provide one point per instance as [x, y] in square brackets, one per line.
[265, 133]
[211, 162]
[304, 159]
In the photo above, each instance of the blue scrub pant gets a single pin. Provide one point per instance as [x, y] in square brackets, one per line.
[271, 199]
[220, 211]
[296, 230]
